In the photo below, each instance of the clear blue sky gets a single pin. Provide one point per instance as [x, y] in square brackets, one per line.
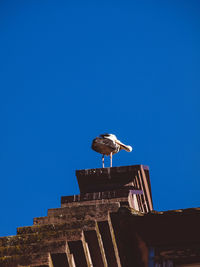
[70, 70]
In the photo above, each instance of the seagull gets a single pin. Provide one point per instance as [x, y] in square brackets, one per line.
[108, 144]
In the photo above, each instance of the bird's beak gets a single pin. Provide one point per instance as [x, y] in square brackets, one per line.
[123, 146]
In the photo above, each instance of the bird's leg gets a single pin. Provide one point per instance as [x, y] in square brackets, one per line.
[111, 159]
[103, 160]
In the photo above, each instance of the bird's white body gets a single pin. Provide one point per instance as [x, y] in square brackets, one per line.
[108, 144]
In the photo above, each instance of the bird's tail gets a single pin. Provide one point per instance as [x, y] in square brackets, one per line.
[125, 147]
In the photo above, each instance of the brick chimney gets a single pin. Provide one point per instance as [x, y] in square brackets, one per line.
[129, 184]
[111, 223]
[81, 232]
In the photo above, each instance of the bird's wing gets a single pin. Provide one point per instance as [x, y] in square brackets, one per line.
[103, 145]
[104, 135]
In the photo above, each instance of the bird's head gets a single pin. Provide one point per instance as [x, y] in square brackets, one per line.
[123, 146]
[129, 148]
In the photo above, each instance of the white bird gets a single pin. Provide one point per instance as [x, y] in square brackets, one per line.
[108, 144]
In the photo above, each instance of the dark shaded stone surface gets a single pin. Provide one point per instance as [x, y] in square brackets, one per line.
[101, 228]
